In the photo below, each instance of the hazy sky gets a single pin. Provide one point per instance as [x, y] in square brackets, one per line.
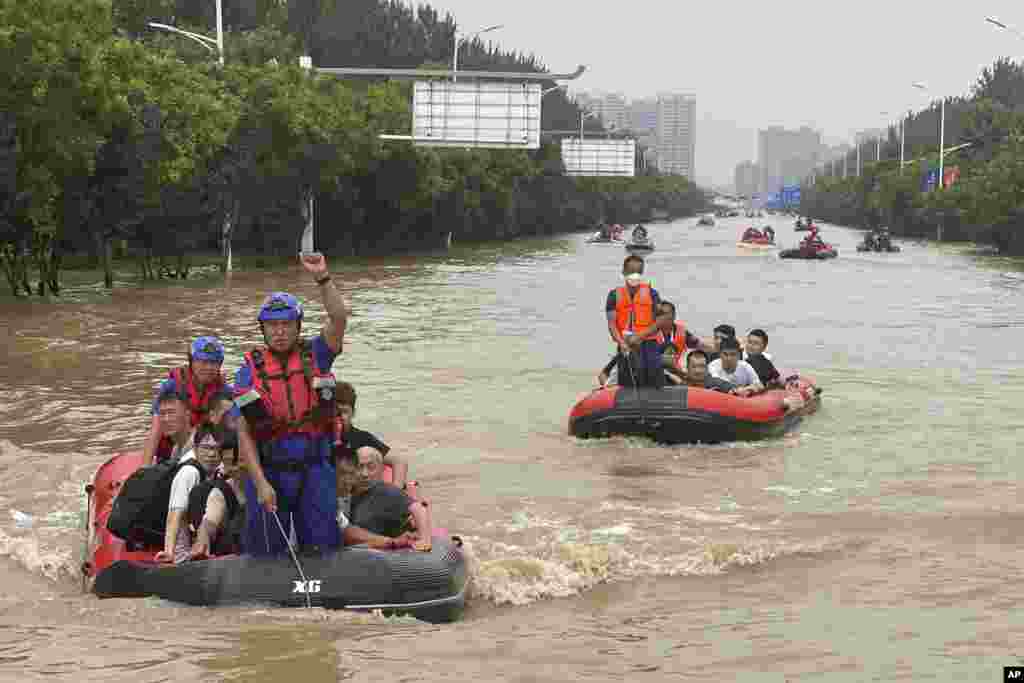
[828, 64]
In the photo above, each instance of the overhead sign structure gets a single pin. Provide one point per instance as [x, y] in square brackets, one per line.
[597, 157]
[476, 114]
[790, 195]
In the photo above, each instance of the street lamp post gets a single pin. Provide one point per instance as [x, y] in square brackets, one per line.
[584, 115]
[903, 122]
[858, 156]
[220, 32]
[207, 42]
[942, 130]
[460, 39]
[878, 142]
[999, 24]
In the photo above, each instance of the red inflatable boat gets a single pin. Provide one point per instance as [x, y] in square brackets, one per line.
[681, 414]
[427, 585]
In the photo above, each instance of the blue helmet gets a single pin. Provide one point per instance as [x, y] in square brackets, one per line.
[280, 306]
[207, 348]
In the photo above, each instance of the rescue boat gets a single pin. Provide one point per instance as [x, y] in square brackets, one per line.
[427, 585]
[681, 414]
[822, 251]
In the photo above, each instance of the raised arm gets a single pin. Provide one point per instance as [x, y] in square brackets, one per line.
[334, 303]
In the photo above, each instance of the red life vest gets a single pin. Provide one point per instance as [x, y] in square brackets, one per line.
[296, 396]
[198, 402]
[636, 313]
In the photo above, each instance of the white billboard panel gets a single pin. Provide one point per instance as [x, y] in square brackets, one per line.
[596, 157]
[476, 114]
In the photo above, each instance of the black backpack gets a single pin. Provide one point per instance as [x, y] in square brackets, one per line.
[139, 514]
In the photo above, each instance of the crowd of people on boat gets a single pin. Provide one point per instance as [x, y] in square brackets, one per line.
[615, 231]
[273, 460]
[878, 239]
[655, 349]
[752, 234]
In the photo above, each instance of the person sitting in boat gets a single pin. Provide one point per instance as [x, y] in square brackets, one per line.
[760, 360]
[769, 233]
[287, 424]
[632, 326]
[884, 240]
[216, 506]
[383, 515]
[812, 239]
[205, 458]
[199, 384]
[639, 234]
[697, 374]
[672, 334]
[173, 423]
[752, 233]
[735, 371]
[349, 440]
[721, 333]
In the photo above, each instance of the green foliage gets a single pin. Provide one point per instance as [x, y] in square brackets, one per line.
[991, 181]
[114, 131]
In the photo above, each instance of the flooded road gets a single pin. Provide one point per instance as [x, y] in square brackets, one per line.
[879, 541]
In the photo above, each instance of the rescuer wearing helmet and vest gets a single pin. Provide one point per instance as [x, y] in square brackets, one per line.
[199, 385]
[633, 327]
[286, 430]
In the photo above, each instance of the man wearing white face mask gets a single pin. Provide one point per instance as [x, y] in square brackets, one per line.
[630, 311]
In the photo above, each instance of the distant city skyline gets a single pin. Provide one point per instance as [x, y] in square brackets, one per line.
[762, 66]
[665, 123]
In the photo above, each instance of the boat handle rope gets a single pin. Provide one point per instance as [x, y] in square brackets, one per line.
[291, 551]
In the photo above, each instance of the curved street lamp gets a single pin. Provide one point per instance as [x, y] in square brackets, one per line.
[459, 40]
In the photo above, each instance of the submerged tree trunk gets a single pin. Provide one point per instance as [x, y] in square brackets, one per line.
[183, 266]
[8, 255]
[227, 232]
[103, 249]
[306, 240]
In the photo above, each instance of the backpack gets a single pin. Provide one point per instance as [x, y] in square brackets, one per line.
[139, 513]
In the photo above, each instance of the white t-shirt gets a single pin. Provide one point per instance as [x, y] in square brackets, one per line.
[184, 481]
[744, 375]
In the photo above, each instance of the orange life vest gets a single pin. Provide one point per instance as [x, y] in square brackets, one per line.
[636, 313]
[198, 402]
[678, 341]
[297, 397]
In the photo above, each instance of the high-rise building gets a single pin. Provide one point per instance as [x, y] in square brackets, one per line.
[643, 116]
[787, 156]
[611, 107]
[747, 178]
[677, 132]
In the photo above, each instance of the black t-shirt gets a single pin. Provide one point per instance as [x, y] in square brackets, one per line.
[716, 384]
[383, 509]
[764, 368]
[354, 439]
